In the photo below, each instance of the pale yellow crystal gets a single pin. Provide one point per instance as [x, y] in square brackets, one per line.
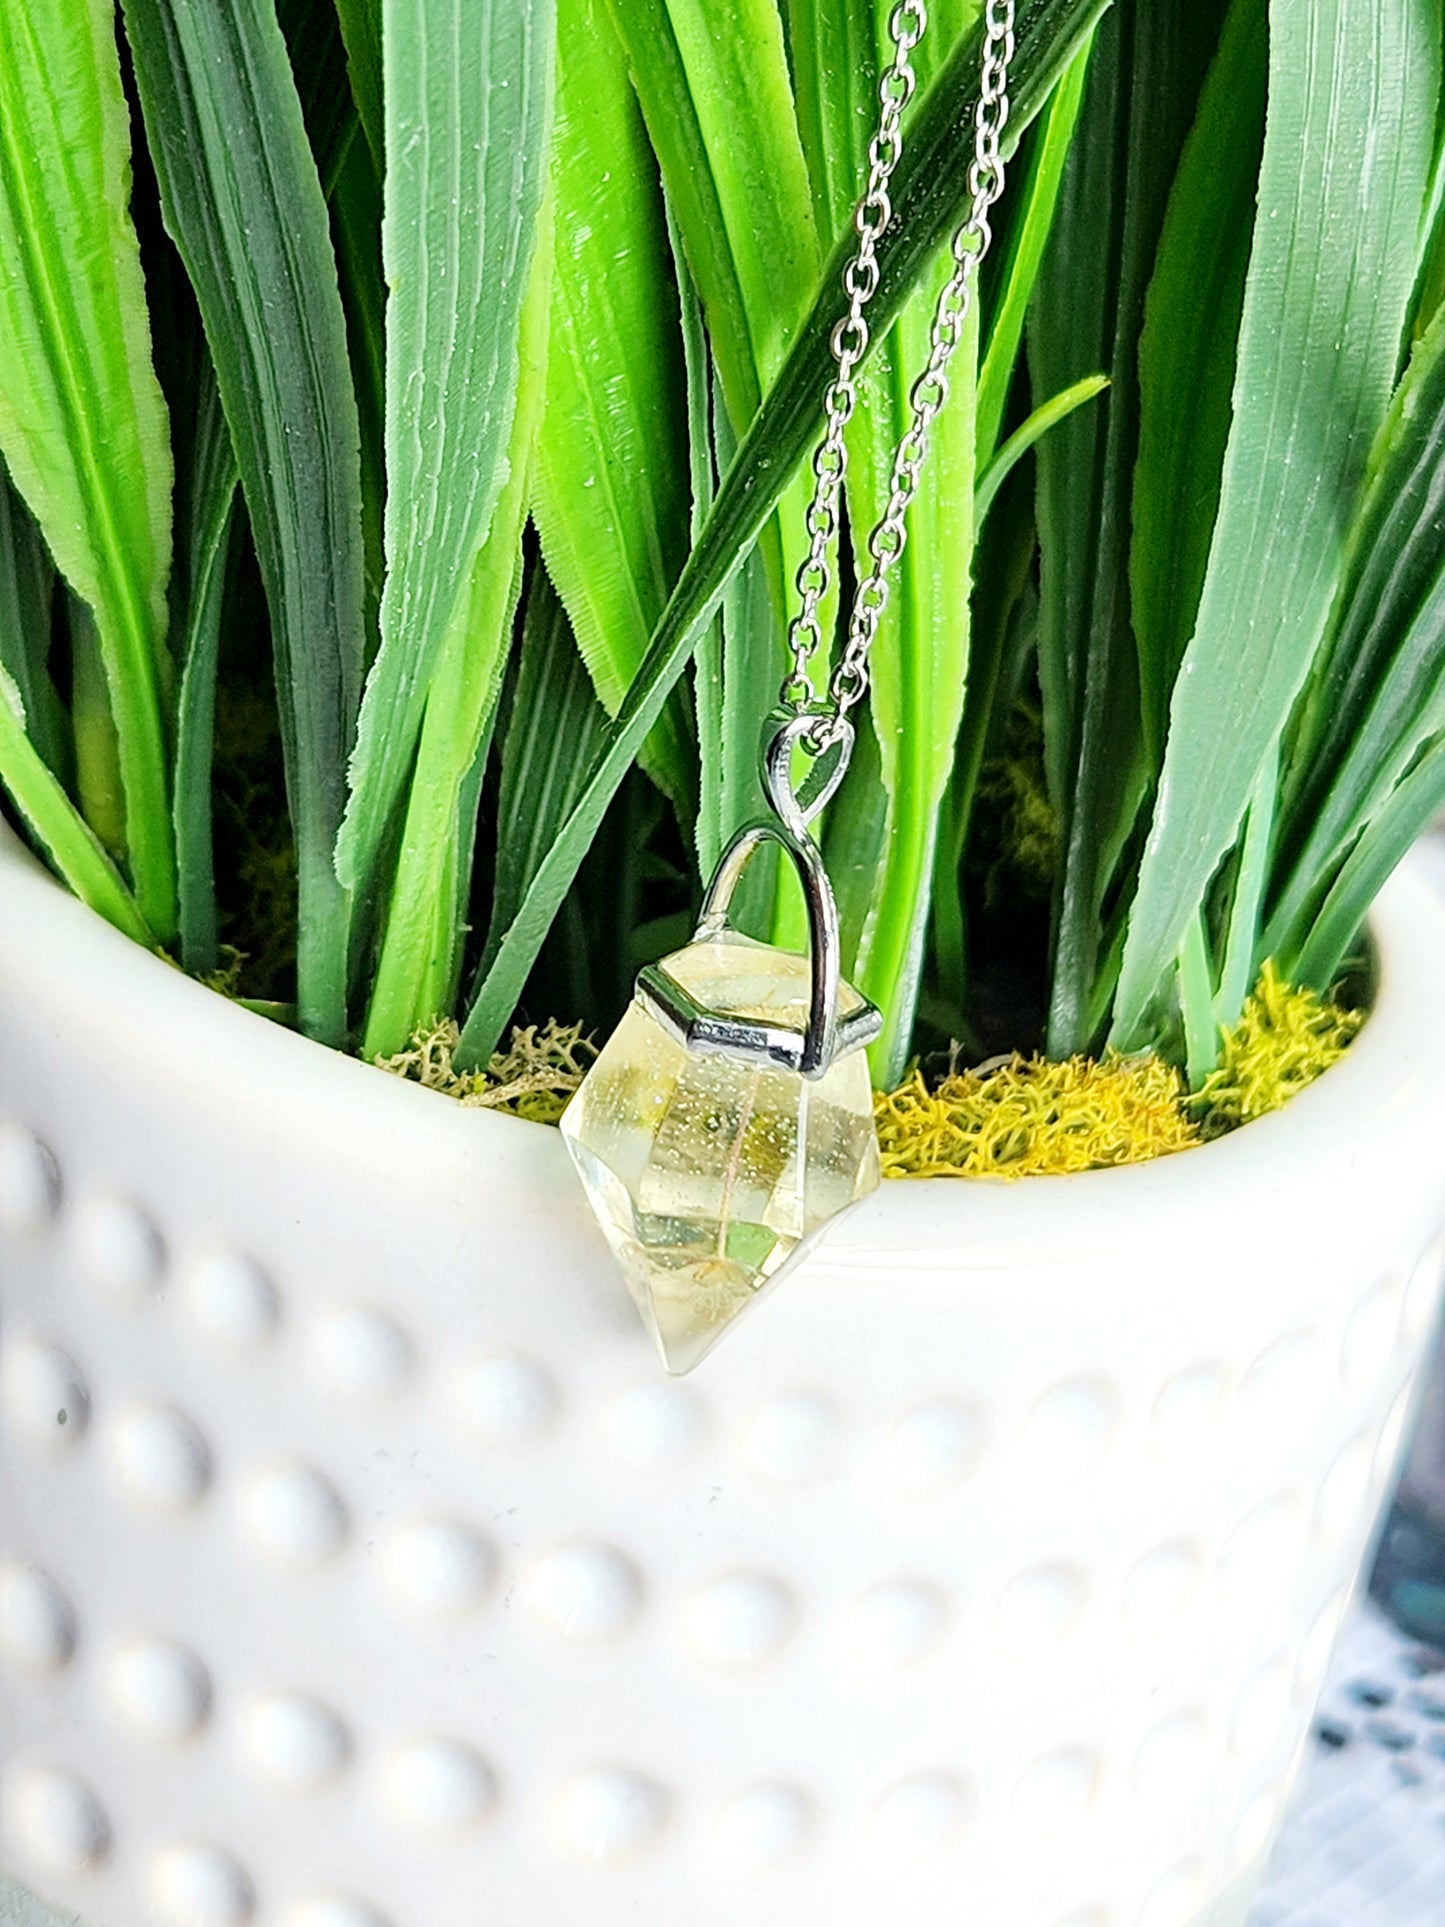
[709, 1173]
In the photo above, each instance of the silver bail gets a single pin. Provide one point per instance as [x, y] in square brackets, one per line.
[825, 1037]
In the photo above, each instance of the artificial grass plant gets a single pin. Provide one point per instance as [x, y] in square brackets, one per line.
[450, 367]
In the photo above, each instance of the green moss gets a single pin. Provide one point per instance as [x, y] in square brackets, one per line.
[1017, 831]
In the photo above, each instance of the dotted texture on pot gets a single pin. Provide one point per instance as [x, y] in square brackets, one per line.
[358, 1568]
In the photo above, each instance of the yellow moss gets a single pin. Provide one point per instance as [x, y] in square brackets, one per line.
[533, 1077]
[1016, 1118]
[1284, 1039]
[1027, 1117]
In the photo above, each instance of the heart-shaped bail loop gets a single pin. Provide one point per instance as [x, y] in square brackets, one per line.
[828, 738]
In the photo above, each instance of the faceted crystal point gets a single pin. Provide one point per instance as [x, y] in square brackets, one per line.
[708, 1173]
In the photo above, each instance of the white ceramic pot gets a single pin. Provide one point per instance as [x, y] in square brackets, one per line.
[362, 1567]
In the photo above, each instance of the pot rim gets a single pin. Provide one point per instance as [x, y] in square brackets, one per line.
[54, 951]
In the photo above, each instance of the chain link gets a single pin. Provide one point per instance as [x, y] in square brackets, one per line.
[849, 342]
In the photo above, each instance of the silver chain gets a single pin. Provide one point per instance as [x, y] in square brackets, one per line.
[849, 342]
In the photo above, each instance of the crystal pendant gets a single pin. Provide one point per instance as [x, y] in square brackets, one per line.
[709, 1172]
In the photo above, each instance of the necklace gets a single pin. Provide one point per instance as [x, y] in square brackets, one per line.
[730, 1116]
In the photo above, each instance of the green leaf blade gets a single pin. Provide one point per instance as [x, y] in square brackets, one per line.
[27, 584]
[356, 224]
[1187, 357]
[1347, 155]
[99, 783]
[360, 22]
[716, 94]
[610, 491]
[833, 55]
[420, 963]
[242, 199]
[58, 826]
[702, 459]
[1413, 804]
[83, 424]
[467, 103]
[210, 528]
[554, 729]
[1145, 71]
[1028, 241]
[1028, 434]
[920, 658]
[737, 682]
[1375, 685]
